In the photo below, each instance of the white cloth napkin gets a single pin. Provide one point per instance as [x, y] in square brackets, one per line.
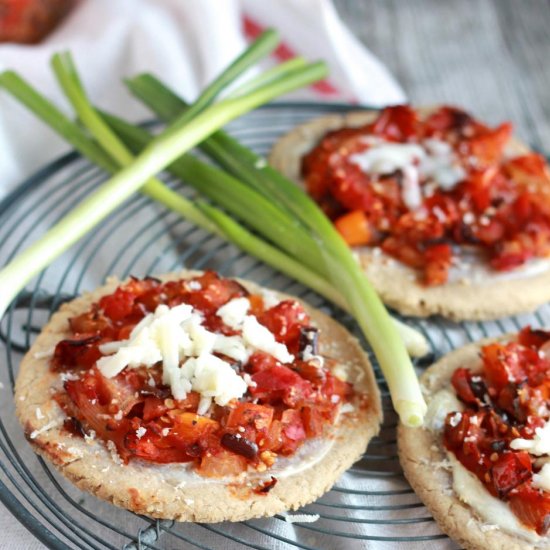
[186, 42]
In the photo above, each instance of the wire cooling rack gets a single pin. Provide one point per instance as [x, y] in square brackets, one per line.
[371, 506]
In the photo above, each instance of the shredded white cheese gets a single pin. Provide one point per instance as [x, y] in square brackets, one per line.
[385, 157]
[177, 338]
[432, 161]
[46, 354]
[52, 424]
[538, 446]
[213, 378]
[140, 432]
[234, 312]
[300, 518]
[259, 337]
[542, 479]
[269, 299]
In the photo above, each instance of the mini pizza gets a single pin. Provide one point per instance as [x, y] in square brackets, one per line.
[447, 215]
[481, 464]
[197, 398]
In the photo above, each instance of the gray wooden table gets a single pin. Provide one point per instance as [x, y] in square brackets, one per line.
[489, 56]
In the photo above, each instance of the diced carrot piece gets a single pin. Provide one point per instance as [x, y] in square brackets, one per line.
[354, 228]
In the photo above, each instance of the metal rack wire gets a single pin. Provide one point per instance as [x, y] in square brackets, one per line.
[370, 506]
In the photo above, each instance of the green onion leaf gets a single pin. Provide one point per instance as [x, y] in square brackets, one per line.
[344, 271]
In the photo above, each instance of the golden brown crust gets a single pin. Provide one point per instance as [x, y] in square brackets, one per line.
[156, 490]
[397, 285]
[422, 457]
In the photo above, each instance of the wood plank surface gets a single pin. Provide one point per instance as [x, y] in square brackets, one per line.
[490, 56]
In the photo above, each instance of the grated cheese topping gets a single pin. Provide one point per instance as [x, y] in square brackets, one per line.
[542, 479]
[301, 518]
[433, 161]
[177, 338]
[538, 446]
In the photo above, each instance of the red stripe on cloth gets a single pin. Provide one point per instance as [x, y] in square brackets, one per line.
[283, 52]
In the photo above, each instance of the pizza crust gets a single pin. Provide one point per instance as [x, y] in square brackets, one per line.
[423, 459]
[397, 285]
[149, 489]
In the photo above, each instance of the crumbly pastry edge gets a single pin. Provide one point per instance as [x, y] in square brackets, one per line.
[149, 489]
[463, 300]
[424, 462]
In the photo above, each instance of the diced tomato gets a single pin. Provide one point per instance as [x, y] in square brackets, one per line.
[118, 305]
[487, 147]
[529, 171]
[404, 251]
[251, 415]
[256, 305]
[533, 338]
[532, 507]
[506, 261]
[90, 399]
[461, 383]
[354, 228]
[316, 164]
[313, 421]
[510, 470]
[260, 361]
[153, 407]
[213, 292]
[490, 233]
[293, 432]
[351, 187]
[279, 383]
[503, 364]
[222, 464]
[334, 386]
[77, 352]
[446, 120]
[397, 123]
[91, 322]
[480, 186]
[189, 428]
[191, 402]
[274, 438]
[151, 447]
[285, 321]
[438, 262]
[456, 428]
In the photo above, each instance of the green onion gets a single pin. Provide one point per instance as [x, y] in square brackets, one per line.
[278, 226]
[136, 138]
[263, 189]
[222, 188]
[154, 158]
[344, 271]
[415, 342]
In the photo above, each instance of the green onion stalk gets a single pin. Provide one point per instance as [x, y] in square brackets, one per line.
[239, 203]
[245, 204]
[159, 153]
[344, 271]
[312, 261]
